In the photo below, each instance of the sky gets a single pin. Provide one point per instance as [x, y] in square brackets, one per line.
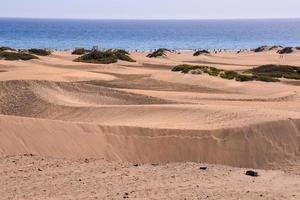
[151, 9]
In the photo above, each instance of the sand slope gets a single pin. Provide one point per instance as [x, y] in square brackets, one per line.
[251, 146]
[142, 112]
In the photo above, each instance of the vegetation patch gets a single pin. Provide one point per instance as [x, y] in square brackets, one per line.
[277, 71]
[6, 49]
[229, 75]
[39, 52]
[16, 56]
[105, 57]
[260, 49]
[267, 48]
[286, 50]
[158, 53]
[225, 74]
[80, 51]
[201, 52]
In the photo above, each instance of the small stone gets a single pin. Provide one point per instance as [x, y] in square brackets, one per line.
[251, 173]
[203, 168]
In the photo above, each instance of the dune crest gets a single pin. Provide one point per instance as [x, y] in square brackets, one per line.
[252, 146]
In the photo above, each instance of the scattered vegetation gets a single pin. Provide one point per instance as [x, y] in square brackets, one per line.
[260, 49]
[6, 49]
[201, 52]
[286, 50]
[276, 47]
[16, 56]
[225, 74]
[80, 51]
[229, 75]
[267, 48]
[158, 53]
[277, 71]
[105, 57]
[39, 52]
[244, 78]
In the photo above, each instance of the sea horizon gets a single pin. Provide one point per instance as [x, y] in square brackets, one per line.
[148, 34]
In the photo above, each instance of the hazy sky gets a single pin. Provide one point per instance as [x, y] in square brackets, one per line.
[151, 9]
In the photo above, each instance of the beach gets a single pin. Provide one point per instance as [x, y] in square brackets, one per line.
[73, 130]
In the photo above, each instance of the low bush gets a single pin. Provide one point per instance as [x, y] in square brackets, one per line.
[277, 71]
[158, 53]
[79, 51]
[39, 52]
[244, 78]
[184, 67]
[201, 52]
[7, 49]
[266, 79]
[213, 71]
[229, 75]
[122, 55]
[260, 49]
[105, 57]
[276, 47]
[286, 50]
[16, 56]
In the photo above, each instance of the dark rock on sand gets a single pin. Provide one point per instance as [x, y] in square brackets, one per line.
[251, 173]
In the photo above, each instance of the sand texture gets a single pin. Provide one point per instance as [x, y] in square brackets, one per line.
[93, 122]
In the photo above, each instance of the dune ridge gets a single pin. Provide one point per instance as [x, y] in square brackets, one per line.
[255, 145]
[141, 113]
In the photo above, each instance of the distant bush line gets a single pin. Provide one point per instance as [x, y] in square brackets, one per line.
[39, 52]
[265, 73]
[5, 55]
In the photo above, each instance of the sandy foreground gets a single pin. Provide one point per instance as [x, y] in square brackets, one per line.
[75, 131]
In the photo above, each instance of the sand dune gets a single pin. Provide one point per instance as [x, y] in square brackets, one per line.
[194, 118]
[64, 113]
[251, 146]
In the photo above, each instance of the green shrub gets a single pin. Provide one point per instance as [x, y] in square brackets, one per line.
[277, 71]
[16, 56]
[295, 76]
[286, 50]
[185, 67]
[122, 55]
[158, 53]
[229, 75]
[79, 51]
[266, 79]
[39, 52]
[260, 49]
[6, 48]
[201, 52]
[244, 78]
[213, 71]
[276, 47]
[105, 57]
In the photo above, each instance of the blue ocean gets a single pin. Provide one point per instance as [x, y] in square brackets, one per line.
[148, 34]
